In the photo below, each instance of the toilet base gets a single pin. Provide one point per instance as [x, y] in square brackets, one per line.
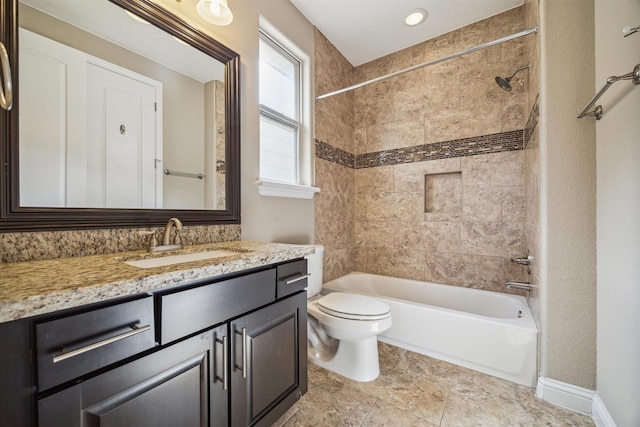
[356, 360]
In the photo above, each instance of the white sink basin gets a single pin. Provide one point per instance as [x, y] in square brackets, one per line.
[179, 259]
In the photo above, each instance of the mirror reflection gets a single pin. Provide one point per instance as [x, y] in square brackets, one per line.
[115, 113]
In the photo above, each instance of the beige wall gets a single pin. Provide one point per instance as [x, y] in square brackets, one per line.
[567, 180]
[270, 219]
[618, 213]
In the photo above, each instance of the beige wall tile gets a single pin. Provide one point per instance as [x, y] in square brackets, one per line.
[494, 170]
[410, 177]
[513, 113]
[373, 104]
[429, 236]
[374, 234]
[374, 179]
[443, 193]
[387, 136]
[504, 239]
[483, 118]
[472, 271]
[338, 263]
[482, 204]
[392, 207]
[335, 227]
[334, 178]
[513, 207]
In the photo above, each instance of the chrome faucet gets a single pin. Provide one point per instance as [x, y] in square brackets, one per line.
[167, 245]
[525, 286]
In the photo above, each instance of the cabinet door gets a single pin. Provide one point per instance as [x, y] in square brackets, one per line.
[167, 388]
[269, 364]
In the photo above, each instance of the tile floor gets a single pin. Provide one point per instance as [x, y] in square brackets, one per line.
[416, 390]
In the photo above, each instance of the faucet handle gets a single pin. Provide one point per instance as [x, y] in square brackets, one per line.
[153, 241]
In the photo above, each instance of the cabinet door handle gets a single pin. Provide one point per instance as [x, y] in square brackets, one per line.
[296, 279]
[225, 362]
[65, 354]
[6, 93]
[244, 351]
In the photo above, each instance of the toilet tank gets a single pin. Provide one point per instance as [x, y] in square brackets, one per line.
[314, 267]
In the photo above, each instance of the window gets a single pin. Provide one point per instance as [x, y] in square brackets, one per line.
[279, 112]
[286, 151]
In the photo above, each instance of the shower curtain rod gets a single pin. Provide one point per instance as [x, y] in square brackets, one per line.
[435, 61]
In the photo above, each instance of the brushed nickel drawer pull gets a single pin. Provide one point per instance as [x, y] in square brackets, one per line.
[69, 354]
[225, 362]
[296, 279]
[244, 351]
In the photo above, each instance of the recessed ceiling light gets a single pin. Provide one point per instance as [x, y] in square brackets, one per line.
[415, 17]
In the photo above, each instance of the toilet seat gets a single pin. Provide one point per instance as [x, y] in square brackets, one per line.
[353, 306]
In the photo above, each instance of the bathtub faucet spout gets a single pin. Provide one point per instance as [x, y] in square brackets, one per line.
[525, 286]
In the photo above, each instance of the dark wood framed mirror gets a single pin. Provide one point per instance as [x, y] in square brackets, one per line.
[18, 215]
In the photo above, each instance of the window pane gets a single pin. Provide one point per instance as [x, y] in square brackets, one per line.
[278, 75]
[278, 146]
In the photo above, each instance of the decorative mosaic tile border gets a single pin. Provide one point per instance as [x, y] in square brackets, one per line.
[330, 153]
[485, 144]
[532, 122]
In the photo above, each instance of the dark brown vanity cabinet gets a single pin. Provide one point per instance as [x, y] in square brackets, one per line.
[269, 361]
[166, 388]
[228, 351]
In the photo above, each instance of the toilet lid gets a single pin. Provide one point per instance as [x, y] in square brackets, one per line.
[353, 306]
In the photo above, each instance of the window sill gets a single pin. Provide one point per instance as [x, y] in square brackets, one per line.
[282, 189]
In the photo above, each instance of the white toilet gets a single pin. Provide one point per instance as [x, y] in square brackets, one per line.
[342, 327]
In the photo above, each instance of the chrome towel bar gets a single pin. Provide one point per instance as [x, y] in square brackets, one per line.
[634, 76]
[184, 174]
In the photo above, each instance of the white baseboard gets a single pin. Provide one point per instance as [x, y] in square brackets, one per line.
[565, 395]
[601, 416]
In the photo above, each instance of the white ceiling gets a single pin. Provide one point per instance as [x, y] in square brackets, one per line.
[364, 30]
[107, 20]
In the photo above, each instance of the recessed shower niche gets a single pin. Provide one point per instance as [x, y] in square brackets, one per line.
[443, 193]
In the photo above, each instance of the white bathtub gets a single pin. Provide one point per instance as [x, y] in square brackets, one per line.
[490, 332]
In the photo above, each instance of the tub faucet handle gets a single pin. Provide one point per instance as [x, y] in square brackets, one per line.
[526, 260]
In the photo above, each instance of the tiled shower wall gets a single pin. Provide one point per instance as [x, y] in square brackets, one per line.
[334, 207]
[437, 161]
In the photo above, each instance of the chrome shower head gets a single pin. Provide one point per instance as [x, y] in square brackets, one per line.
[505, 82]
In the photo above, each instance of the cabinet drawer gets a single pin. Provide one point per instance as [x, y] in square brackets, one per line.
[292, 278]
[186, 312]
[81, 343]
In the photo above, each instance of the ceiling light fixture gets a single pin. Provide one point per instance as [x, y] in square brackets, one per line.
[216, 12]
[415, 17]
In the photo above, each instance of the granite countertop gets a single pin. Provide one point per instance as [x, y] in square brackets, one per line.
[38, 287]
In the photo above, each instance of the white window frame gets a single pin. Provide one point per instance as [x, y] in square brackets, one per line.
[301, 188]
